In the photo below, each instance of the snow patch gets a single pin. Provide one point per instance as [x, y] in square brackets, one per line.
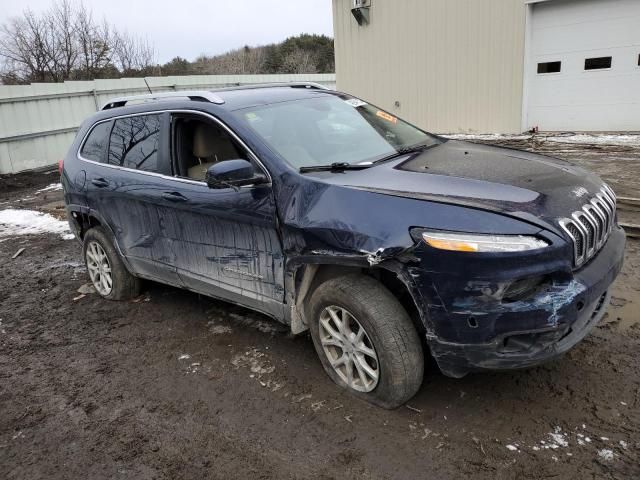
[513, 448]
[218, 329]
[51, 188]
[579, 138]
[30, 222]
[598, 139]
[605, 454]
[485, 136]
[559, 439]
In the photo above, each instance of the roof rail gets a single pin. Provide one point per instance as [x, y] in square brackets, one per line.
[206, 95]
[314, 85]
[196, 95]
[250, 86]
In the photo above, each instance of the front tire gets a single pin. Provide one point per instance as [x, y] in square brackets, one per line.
[107, 271]
[365, 340]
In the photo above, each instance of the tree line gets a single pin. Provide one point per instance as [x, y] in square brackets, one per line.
[304, 53]
[66, 42]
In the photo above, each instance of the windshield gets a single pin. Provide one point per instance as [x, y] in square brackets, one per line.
[331, 129]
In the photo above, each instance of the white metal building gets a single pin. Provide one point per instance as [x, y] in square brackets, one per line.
[494, 65]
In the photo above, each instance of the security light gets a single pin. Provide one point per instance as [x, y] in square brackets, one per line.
[360, 11]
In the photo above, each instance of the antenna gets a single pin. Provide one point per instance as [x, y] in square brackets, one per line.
[147, 84]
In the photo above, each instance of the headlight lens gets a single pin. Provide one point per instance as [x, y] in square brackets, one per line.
[467, 242]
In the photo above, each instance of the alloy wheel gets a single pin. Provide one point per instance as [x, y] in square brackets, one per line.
[349, 349]
[99, 268]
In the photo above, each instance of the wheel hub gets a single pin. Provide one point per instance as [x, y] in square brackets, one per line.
[349, 349]
[99, 268]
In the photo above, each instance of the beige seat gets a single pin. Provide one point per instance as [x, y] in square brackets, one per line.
[210, 145]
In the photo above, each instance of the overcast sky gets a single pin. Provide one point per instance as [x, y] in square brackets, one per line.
[190, 27]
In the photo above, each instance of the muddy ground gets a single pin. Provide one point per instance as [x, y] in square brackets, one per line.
[175, 385]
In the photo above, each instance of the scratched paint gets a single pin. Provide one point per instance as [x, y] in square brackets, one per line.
[551, 301]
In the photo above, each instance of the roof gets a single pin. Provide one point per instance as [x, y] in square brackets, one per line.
[236, 99]
[231, 98]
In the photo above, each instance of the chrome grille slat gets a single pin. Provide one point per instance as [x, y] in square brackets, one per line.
[610, 211]
[602, 210]
[597, 227]
[590, 226]
[601, 220]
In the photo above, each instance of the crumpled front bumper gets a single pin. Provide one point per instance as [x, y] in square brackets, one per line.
[541, 328]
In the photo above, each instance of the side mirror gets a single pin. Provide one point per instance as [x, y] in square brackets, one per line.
[233, 173]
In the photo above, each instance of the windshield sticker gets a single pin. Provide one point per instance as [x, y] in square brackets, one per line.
[355, 102]
[386, 116]
[252, 117]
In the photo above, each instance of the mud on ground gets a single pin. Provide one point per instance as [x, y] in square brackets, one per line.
[175, 385]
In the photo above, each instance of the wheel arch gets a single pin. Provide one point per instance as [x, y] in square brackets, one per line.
[92, 219]
[305, 278]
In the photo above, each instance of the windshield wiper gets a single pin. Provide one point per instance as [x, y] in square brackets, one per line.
[404, 150]
[334, 167]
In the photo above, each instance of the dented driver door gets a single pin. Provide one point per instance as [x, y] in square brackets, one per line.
[226, 244]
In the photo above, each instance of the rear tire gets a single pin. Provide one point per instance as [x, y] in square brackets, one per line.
[386, 361]
[107, 271]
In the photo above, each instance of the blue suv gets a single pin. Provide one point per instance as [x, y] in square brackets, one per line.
[331, 215]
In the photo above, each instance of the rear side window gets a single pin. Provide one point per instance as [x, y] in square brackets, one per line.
[134, 142]
[95, 146]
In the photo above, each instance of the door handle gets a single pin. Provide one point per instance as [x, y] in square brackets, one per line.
[174, 197]
[100, 182]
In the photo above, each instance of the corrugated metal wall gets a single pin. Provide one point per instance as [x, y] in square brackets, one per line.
[453, 65]
[38, 121]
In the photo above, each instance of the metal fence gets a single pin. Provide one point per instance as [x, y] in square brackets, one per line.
[38, 121]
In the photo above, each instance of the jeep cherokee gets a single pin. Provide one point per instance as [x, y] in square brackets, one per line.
[331, 215]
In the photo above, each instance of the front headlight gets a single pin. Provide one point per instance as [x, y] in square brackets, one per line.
[469, 242]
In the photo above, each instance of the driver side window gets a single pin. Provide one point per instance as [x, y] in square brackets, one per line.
[198, 144]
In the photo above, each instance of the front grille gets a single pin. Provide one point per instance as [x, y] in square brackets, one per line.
[590, 226]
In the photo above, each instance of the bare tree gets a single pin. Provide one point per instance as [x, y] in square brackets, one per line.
[94, 44]
[64, 43]
[131, 54]
[299, 61]
[22, 47]
[61, 47]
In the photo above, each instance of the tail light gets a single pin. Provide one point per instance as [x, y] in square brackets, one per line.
[60, 165]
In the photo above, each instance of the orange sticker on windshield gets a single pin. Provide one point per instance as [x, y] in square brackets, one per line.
[386, 116]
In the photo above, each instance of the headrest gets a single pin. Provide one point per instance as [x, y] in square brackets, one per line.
[204, 140]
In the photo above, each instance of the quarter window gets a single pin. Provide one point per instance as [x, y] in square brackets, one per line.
[598, 63]
[134, 142]
[549, 67]
[95, 146]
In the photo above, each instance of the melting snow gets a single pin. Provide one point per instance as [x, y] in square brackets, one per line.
[486, 136]
[51, 188]
[581, 138]
[218, 329]
[30, 222]
[605, 454]
[559, 439]
[601, 139]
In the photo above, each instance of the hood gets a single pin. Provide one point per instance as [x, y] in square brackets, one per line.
[532, 187]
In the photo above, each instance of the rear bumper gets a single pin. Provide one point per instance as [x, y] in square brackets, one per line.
[542, 328]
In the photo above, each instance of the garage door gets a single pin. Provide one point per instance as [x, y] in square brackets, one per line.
[583, 66]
